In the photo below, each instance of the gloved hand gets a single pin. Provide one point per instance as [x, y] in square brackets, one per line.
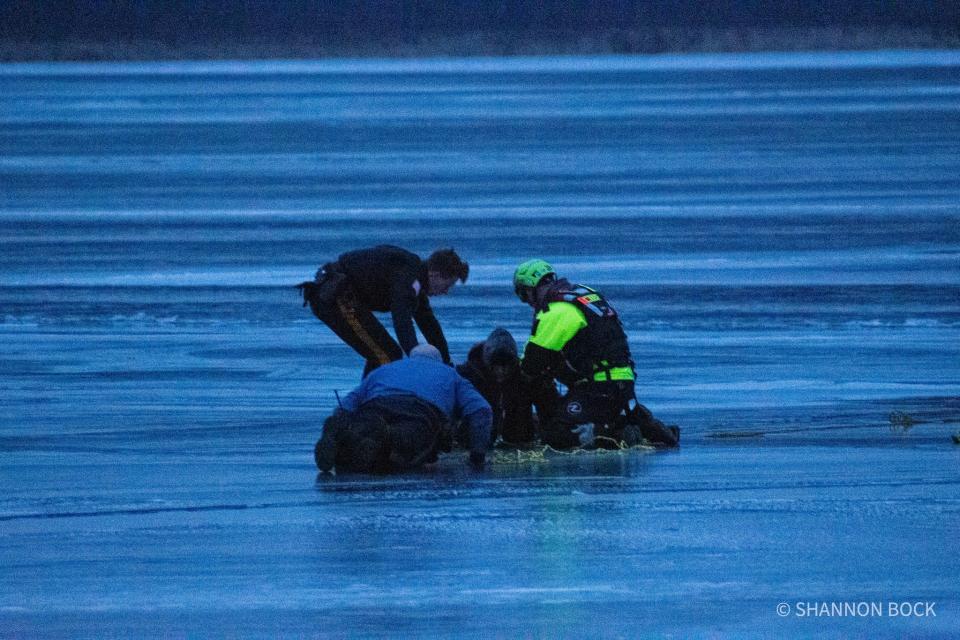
[584, 433]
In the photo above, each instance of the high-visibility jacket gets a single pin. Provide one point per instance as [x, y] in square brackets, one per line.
[576, 336]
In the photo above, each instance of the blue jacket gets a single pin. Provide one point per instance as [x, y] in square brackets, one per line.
[433, 382]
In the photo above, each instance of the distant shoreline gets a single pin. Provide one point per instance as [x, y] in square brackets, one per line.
[482, 43]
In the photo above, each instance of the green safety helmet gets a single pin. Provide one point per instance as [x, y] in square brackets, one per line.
[529, 274]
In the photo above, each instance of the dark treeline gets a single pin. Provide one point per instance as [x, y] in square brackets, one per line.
[247, 28]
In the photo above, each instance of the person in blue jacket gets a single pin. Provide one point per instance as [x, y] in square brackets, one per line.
[399, 418]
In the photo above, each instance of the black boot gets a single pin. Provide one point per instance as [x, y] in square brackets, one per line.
[652, 430]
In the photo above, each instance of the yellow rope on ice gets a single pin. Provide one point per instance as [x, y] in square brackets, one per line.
[545, 452]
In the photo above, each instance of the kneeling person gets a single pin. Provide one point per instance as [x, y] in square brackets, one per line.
[399, 418]
[493, 366]
[577, 338]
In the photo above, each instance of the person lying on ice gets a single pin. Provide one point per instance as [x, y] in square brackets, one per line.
[383, 278]
[399, 418]
[493, 367]
[577, 339]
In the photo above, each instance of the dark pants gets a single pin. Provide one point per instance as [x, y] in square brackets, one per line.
[612, 408]
[388, 434]
[602, 403]
[334, 301]
[518, 426]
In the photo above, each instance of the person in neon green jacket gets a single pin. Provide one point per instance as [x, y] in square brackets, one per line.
[577, 338]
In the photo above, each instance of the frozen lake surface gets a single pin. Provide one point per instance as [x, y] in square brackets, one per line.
[781, 234]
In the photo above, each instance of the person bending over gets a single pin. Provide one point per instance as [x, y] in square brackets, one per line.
[346, 292]
[399, 418]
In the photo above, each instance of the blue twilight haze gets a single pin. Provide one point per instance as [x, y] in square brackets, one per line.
[780, 234]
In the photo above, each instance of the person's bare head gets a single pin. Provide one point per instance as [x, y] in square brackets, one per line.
[426, 351]
[444, 268]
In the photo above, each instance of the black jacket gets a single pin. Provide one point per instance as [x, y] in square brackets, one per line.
[512, 413]
[383, 278]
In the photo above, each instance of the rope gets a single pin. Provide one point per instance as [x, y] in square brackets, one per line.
[544, 453]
